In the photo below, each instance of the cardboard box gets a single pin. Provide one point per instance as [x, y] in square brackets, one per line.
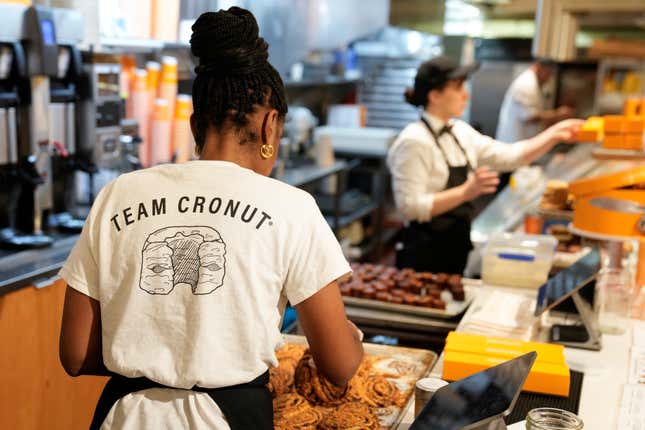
[634, 141]
[546, 378]
[614, 141]
[614, 124]
[503, 347]
[635, 125]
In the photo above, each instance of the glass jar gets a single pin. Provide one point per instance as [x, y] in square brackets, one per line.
[552, 419]
[616, 289]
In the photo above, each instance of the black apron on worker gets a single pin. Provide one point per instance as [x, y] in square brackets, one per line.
[245, 406]
[443, 243]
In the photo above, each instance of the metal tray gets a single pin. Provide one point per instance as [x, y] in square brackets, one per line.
[453, 308]
[424, 360]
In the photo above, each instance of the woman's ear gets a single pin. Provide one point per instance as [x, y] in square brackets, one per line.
[270, 127]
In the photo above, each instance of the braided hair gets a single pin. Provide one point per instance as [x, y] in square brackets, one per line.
[233, 74]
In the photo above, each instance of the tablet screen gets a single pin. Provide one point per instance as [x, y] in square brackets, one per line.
[568, 280]
[476, 398]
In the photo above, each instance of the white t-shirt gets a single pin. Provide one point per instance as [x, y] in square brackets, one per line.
[193, 264]
[522, 100]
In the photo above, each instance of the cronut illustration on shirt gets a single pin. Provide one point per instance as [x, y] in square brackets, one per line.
[183, 256]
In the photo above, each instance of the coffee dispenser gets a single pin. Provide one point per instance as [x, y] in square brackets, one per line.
[19, 175]
[34, 146]
[68, 157]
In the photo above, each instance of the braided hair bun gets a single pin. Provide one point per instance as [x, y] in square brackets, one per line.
[228, 42]
[234, 73]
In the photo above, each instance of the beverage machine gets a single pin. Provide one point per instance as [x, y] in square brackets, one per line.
[70, 161]
[25, 173]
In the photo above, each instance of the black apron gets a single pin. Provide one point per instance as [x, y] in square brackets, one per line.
[245, 406]
[443, 244]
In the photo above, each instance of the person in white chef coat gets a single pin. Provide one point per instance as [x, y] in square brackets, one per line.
[440, 164]
[523, 113]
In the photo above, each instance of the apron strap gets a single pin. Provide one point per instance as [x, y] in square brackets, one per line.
[245, 406]
[435, 136]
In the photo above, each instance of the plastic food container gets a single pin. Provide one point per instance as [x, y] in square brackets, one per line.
[518, 260]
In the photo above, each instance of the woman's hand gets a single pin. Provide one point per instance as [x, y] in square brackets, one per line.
[564, 131]
[482, 181]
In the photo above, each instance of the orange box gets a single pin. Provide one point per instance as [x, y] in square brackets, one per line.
[547, 378]
[589, 135]
[632, 106]
[614, 141]
[503, 347]
[614, 124]
[634, 141]
[635, 124]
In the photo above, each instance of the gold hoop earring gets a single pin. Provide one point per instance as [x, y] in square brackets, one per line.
[197, 151]
[266, 151]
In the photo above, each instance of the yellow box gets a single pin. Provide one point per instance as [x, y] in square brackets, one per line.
[502, 347]
[634, 141]
[635, 125]
[591, 130]
[546, 378]
[614, 141]
[614, 123]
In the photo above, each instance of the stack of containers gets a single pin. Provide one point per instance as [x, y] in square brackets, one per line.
[160, 127]
[625, 131]
[141, 112]
[168, 82]
[466, 354]
[182, 137]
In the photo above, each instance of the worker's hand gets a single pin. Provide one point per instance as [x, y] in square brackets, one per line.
[564, 131]
[481, 181]
[564, 112]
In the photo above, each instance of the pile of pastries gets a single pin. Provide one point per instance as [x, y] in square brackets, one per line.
[304, 400]
[388, 284]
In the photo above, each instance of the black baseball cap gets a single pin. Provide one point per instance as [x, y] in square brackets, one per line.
[435, 73]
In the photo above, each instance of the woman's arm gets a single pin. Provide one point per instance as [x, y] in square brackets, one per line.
[563, 131]
[80, 335]
[333, 341]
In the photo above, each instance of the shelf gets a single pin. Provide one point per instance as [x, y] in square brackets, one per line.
[618, 154]
[307, 174]
[345, 220]
[289, 83]
[114, 45]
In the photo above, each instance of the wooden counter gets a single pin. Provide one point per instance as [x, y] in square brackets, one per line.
[35, 391]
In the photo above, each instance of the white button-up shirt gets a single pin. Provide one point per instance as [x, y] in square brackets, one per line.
[522, 100]
[419, 170]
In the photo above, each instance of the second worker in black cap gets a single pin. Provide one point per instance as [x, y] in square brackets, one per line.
[440, 164]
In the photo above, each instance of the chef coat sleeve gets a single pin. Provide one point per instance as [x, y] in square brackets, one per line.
[497, 155]
[411, 171]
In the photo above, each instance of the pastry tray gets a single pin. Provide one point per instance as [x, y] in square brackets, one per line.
[453, 307]
[423, 359]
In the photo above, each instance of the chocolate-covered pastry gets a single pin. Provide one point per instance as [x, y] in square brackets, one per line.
[380, 286]
[425, 301]
[458, 294]
[398, 292]
[368, 293]
[410, 299]
[435, 293]
[383, 296]
[439, 304]
[441, 278]
[454, 281]
[396, 300]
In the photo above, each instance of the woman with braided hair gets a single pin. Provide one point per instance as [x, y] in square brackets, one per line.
[178, 282]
